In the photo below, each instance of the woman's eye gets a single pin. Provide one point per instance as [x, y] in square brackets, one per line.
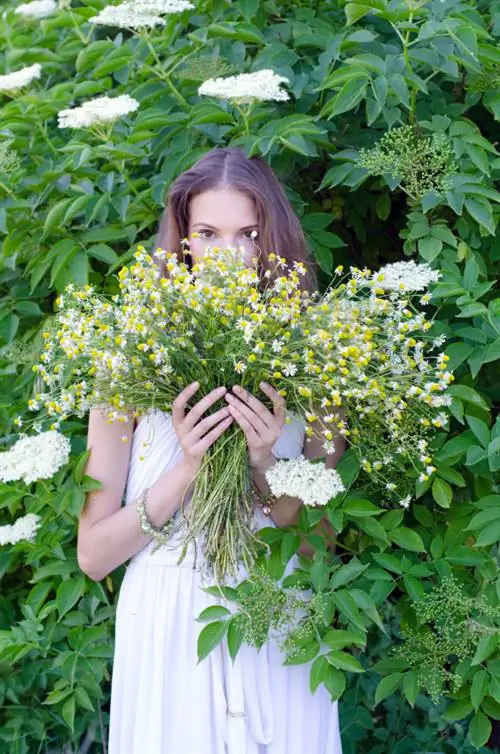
[248, 233]
[206, 233]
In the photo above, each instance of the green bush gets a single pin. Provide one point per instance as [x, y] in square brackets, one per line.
[387, 148]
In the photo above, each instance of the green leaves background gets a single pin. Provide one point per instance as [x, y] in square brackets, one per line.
[76, 206]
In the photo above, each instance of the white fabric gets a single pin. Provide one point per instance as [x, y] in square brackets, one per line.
[162, 700]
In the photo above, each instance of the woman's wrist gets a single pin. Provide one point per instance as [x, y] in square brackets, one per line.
[263, 465]
[189, 469]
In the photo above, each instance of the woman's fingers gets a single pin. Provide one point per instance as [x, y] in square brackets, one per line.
[262, 430]
[179, 405]
[257, 406]
[203, 426]
[208, 440]
[279, 403]
[252, 437]
[194, 415]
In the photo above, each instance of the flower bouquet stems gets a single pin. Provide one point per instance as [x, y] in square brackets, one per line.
[220, 512]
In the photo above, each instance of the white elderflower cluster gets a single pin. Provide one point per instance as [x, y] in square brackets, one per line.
[25, 528]
[137, 14]
[312, 483]
[17, 79]
[404, 276]
[247, 87]
[33, 458]
[96, 111]
[37, 9]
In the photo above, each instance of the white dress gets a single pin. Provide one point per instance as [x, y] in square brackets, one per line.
[162, 700]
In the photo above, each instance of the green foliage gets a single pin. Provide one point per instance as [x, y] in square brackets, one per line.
[386, 149]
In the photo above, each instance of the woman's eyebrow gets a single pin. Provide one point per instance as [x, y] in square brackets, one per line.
[212, 227]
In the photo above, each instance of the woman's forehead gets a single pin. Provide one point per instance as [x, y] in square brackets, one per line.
[222, 208]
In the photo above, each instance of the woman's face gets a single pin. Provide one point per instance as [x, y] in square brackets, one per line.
[223, 217]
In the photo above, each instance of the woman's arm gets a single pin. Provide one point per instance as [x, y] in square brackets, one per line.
[108, 534]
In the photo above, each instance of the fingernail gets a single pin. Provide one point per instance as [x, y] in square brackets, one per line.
[264, 384]
[195, 384]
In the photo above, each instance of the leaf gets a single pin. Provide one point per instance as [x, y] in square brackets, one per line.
[469, 395]
[480, 429]
[373, 528]
[68, 594]
[355, 11]
[79, 468]
[226, 592]
[479, 730]
[347, 573]
[55, 215]
[358, 508]
[389, 562]
[429, 248]
[458, 710]
[484, 517]
[407, 539]
[234, 638]
[350, 95]
[442, 492]
[339, 638]
[57, 695]
[319, 670]
[210, 637]
[494, 455]
[411, 686]
[489, 535]
[289, 546]
[347, 606]
[83, 699]
[103, 252]
[303, 655]
[479, 688]
[480, 210]
[68, 712]
[335, 682]
[37, 596]
[214, 611]
[485, 647]
[366, 603]
[387, 686]
[345, 661]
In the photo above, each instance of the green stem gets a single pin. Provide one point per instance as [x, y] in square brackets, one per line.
[406, 41]
[5, 188]
[124, 173]
[244, 117]
[163, 74]
[83, 39]
[43, 130]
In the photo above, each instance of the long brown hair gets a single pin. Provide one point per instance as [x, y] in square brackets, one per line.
[229, 167]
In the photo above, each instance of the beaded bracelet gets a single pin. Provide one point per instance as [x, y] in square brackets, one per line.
[160, 533]
[266, 502]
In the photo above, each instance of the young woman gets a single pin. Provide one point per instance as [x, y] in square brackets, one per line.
[162, 700]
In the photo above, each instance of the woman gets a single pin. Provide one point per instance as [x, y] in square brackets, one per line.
[162, 700]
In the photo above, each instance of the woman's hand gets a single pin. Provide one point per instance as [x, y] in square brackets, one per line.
[197, 435]
[261, 426]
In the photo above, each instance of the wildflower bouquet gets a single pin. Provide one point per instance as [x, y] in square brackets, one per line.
[361, 347]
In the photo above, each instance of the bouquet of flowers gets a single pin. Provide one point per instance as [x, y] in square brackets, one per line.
[356, 361]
